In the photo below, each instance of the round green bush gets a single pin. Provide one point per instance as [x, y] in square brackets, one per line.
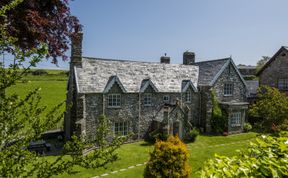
[193, 134]
[247, 127]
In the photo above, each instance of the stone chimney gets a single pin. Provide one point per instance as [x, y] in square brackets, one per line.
[76, 48]
[188, 58]
[165, 59]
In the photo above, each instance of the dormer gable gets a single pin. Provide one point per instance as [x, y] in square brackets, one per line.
[186, 84]
[146, 85]
[114, 82]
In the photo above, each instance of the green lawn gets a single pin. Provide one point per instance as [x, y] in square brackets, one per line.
[53, 87]
[132, 154]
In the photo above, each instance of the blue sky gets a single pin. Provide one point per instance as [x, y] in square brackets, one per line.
[145, 30]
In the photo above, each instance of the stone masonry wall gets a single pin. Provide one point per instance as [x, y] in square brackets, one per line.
[230, 75]
[278, 69]
[129, 110]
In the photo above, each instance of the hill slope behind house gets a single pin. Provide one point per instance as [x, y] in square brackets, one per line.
[52, 84]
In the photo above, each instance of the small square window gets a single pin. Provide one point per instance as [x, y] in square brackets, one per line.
[147, 99]
[188, 97]
[228, 89]
[166, 98]
[121, 128]
[114, 100]
[283, 84]
[236, 119]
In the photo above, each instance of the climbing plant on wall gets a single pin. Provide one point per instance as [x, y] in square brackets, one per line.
[219, 120]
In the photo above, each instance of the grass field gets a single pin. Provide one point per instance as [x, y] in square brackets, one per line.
[53, 87]
[132, 154]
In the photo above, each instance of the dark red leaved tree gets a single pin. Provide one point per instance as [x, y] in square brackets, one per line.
[42, 21]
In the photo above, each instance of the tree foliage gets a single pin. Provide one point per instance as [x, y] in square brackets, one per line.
[22, 120]
[271, 107]
[219, 121]
[168, 159]
[262, 62]
[34, 22]
[267, 157]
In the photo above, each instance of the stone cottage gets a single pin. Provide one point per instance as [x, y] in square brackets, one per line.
[275, 72]
[138, 96]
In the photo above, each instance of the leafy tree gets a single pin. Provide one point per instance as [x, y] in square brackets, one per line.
[266, 157]
[262, 62]
[271, 107]
[34, 22]
[22, 120]
[168, 159]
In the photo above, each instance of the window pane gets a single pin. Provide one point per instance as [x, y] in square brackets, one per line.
[228, 89]
[236, 119]
[121, 128]
[283, 84]
[147, 99]
[114, 100]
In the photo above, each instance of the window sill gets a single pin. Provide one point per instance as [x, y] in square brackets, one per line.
[228, 95]
[235, 125]
[114, 107]
[147, 105]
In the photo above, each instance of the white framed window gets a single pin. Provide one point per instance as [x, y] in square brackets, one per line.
[114, 100]
[121, 128]
[166, 98]
[283, 84]
[236, 119]
[228, 89]
[188, 97]
[147, 99]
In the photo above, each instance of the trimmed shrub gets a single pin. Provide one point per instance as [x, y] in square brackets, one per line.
[193, 134]
[168, 159]
[247, 127]
[268, 157]
[39, 72]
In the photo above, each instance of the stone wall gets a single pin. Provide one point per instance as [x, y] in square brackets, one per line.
[277, 69]
[138, 116]
[205, 104]
[230, 75]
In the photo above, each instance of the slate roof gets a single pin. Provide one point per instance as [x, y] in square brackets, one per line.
[209, 70]
[95, 73]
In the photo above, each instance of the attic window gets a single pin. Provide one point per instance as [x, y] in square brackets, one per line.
[166, 98]
[188, 96]
[114, 100]
[283, 54]
[147, 99]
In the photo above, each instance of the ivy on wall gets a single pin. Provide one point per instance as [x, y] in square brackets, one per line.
[219, 120]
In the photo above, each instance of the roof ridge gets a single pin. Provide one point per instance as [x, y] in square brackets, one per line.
[212, 60]
[120, 60]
